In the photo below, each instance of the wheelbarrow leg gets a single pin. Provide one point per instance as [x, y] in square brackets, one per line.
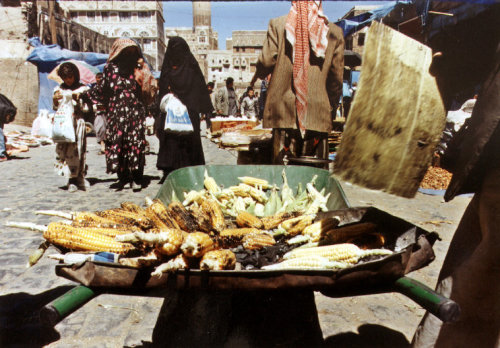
[445, 309]
[66, 304]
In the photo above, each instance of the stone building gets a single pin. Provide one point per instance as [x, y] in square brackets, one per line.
[356, 41]
[140, 20]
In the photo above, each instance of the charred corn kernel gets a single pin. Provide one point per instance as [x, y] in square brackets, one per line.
[210, 183]
[212, 208]
[202, 218]
[255, 241]
[222, 259]
[245, 219]
[348, 253]
[256, 182]
[91, 217]
[296, 225]
[344, 233]
[196, 244]
[306, 262]
[126, 217]
[182, 216]
[271, 222]
[238, 232]
[318, 229]
[81, 238]
[130, 206]
[179, 262]
[158, 211]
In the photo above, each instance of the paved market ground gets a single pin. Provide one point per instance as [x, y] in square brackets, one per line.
[28, 183]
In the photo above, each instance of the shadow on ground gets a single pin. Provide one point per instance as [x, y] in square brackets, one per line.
[20, 324]
[368, 336]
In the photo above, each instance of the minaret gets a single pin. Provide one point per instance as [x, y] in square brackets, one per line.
[202, 15]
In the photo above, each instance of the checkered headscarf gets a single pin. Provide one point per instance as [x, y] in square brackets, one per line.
[306, 25]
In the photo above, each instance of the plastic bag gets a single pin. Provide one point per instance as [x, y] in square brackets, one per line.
[63, 130]
[42, 125]
[177, 118]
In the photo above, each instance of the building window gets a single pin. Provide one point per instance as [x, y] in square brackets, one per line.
[105, 32]
[105, 16]
[144, 15]
[124, 16]
[91, 16]
[134, 16]
[125, 34]
[74, 15]
[201, 39]
[361, 39]
[114, 17]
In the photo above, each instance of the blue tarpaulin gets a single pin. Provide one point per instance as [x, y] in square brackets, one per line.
[352, 25]
[47, 57]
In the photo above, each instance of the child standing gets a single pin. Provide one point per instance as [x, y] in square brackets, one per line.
[71, 156]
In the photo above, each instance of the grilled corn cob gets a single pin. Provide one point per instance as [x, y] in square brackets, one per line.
[306, 262]
[320, 228]
[182, 216]
[160, 216]
[179, 262]
[238, 232]
[222, 259]
[245, 219]
[271, 222]
[255, 182]
[76, 216]
[210, 184]
[81, 238]
[344, 233]
[196, 244]
[193, 197]
[202, 218]
[130, 206]
[212, 208]
[255, 241]
[296, 225]
[348, 253]
[244, 190]
[107, 225]
[126, 217]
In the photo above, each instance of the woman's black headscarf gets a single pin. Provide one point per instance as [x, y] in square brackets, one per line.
[66, 69]
[186, 81]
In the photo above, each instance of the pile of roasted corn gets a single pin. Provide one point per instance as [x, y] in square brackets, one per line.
[201, 231]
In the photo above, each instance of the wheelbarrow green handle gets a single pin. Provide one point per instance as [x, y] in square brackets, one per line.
[445, 309]
[66, 304]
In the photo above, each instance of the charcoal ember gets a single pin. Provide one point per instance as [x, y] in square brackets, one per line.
[255, 259]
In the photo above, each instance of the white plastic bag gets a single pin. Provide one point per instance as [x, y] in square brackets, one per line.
[42, 125]
[177, 118]
[63, 130]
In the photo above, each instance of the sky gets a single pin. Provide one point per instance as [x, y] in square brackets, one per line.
[246, 15]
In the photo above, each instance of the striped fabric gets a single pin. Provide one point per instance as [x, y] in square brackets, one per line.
[306, 24]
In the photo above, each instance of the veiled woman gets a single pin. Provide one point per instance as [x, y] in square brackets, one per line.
[121, 94]
[182, 76]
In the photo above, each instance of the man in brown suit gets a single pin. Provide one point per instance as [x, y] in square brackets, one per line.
[304, 87]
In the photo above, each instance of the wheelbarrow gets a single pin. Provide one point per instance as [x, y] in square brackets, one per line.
[412, 248]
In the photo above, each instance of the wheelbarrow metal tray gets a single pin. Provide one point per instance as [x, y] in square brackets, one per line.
[191, 178]
[412, 246]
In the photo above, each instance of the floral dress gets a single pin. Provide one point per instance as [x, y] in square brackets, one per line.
[126, 116]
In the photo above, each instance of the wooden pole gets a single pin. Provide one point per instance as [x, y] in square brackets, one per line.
[52, 22]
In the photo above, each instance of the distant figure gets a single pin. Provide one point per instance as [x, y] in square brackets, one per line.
[182, 76]
[304, 87]
[7, 113]
[226, 102]
[208, 116]
[71, 156]
[121, 93]
[263, 94]
[250, 104]
[100, 120]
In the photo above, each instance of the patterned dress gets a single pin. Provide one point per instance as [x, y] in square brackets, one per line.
[126, 116]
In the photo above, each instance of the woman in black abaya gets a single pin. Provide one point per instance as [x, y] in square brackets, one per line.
[182, 76]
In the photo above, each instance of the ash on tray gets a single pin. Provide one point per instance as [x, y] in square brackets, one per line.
[255, 259]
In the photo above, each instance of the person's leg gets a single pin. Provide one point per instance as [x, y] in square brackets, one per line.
[3, 152]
